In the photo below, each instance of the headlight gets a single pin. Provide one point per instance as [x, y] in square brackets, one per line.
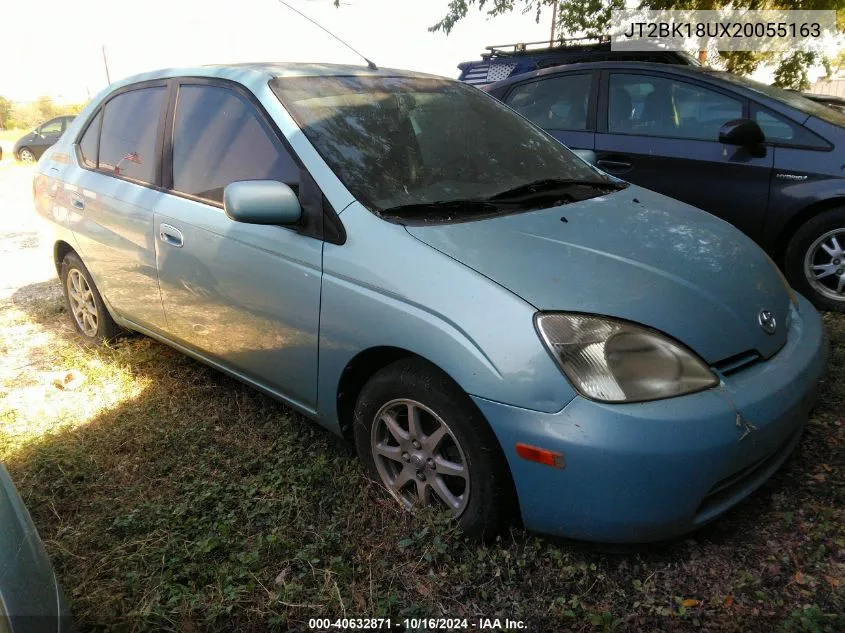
[616, 361]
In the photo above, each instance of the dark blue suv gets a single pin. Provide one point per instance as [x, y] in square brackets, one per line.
[767, 160]
[509, 60]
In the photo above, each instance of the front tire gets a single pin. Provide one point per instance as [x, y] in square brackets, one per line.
[423, 439]
[25, 155]
[87, 311]
[815, 260]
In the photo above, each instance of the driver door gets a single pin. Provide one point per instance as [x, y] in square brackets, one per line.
[661, 132]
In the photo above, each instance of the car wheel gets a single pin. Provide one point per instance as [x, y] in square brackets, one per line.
[421, 437]
[84, 303]
[25, 155]
[815, 260]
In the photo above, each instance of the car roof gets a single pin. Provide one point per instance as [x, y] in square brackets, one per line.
[258, 71]
[677, 69]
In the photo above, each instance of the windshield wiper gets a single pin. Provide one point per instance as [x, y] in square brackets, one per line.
[551, 186]
[466, 205]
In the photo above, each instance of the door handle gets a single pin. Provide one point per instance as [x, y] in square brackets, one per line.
[170, 235]
[614, 164]
[77, 202]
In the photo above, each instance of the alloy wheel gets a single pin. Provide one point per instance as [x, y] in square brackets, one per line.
[824, 265]
[26, 156]
[82, 303]
[419, 458]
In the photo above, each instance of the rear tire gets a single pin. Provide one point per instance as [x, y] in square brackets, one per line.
[84, 304]
[814, 262]
[26, 155]
[448, 457]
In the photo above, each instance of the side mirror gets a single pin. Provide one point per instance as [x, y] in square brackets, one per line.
[587, 155]
[261, 202]
[743, 132]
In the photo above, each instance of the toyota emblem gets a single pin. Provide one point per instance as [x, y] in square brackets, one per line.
[767, 321]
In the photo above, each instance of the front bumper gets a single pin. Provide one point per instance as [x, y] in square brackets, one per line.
[649, 471]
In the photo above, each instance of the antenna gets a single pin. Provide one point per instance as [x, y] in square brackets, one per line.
[370, 64]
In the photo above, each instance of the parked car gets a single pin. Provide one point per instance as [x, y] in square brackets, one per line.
[837, 103]
[499, 327]
[767, 160]
[510, 60]
[30, 596]
[30, 147]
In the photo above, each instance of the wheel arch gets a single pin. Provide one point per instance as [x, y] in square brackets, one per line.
[799, 219]
[355, 375]
[60, 251]
[367, 363]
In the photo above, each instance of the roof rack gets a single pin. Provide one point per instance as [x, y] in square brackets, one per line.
[503, 50]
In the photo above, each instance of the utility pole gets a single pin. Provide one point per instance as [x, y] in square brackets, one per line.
[554, 24]
[106, 64]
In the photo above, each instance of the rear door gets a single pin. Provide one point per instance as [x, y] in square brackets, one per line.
[662, 132]
[562, 104]
[243, 295]
[112, 191]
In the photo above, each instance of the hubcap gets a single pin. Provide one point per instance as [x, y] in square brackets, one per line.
[27, 156]
[823, 265]
[82, 303]
[418, 457]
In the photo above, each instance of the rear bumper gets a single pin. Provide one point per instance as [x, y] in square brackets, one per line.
[649, 471]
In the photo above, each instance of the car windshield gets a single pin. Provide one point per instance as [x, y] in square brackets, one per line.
[405, 145]
[787, 97]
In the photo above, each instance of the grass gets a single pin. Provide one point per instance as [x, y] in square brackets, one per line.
[11, 135]
[171, 498]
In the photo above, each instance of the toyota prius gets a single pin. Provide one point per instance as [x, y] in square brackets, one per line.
[502, 330]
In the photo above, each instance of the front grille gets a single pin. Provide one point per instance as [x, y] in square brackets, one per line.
[737, 362]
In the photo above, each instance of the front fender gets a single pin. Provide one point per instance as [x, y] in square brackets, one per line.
[385, 288]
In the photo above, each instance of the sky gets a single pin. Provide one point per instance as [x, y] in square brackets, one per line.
[55, 47]
[65, 58]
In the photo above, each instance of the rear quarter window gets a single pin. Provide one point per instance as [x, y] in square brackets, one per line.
[129, 131]
[89, 144]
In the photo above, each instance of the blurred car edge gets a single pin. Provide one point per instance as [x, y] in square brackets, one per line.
[31, 600]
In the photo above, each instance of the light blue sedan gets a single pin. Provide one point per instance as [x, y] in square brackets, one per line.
[501, 329]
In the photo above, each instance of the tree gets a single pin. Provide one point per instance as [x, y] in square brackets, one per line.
[44, 106]
[592, 17]
[5, 112]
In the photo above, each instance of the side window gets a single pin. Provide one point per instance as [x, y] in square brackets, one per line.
[52, 128]
[657, 106]
[219, 137]
[782, 131]
[556, 103]
[128, 137]
[90, 142]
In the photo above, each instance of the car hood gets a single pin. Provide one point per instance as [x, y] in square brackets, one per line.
[635, 255]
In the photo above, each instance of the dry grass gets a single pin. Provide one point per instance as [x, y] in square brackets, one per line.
[171, 498]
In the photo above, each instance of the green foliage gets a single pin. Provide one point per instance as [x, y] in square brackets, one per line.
[28, 115]
[792, 70]
[5, 112]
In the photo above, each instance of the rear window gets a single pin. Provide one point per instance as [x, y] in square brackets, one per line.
[129, 131]
[787, 97]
